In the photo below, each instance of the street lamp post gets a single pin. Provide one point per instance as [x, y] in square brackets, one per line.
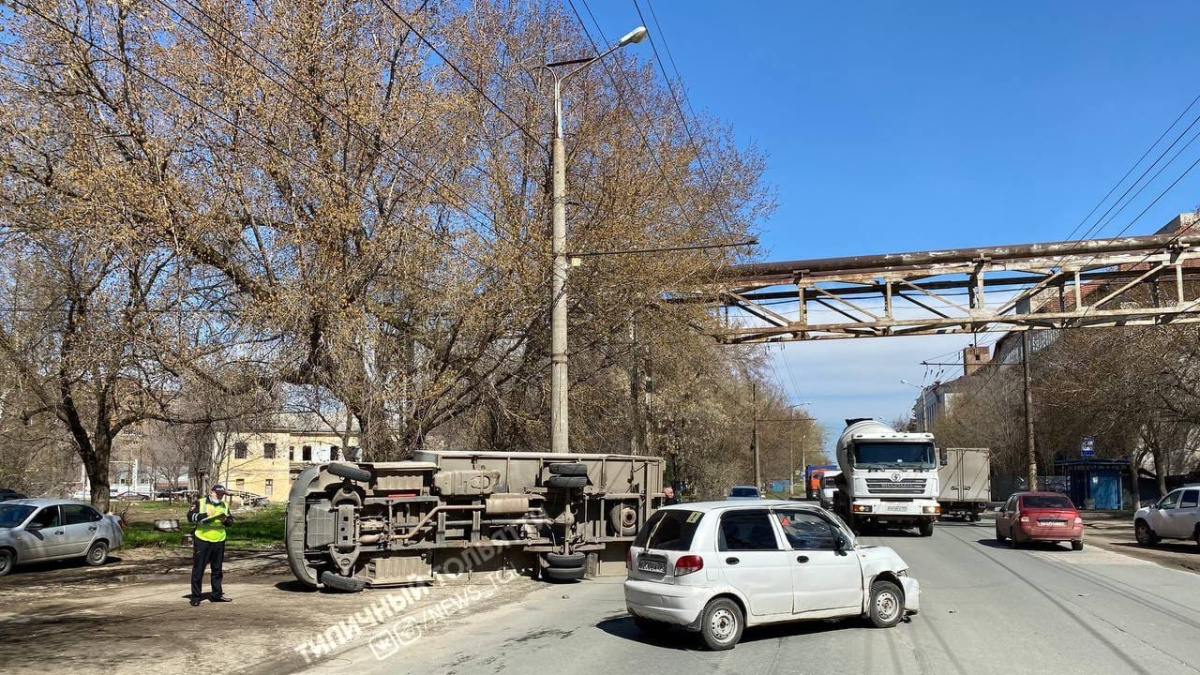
[924, 408]
[558, 315]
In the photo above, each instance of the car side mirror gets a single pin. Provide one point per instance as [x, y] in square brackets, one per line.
[841, 544]
[1154, 505]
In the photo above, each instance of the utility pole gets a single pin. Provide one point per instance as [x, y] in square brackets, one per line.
[1026, 341]
[558, 291]
[757, 463]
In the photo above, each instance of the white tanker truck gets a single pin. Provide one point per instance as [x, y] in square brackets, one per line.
[889, 478]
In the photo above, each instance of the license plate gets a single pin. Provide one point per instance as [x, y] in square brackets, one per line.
[897, 508]
[656, 566]
[1057, 523]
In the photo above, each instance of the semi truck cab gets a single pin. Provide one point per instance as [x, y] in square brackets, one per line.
[889, 478]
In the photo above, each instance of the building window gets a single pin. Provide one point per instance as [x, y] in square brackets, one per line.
[291, 453]
[268, 451]
[240, 485]
[269, 487]
[240, 450]
[306, 454]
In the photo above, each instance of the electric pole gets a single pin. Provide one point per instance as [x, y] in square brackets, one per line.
[1029, 440]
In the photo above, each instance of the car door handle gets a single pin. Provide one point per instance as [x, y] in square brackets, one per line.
[802, 559]
[731, 561]
[92, 528]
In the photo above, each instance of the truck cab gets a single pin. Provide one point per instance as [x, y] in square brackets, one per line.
[889, 478]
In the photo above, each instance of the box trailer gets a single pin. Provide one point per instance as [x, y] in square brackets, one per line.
[966, 480]
[557, 516]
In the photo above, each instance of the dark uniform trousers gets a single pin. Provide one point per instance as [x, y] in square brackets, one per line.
[204, 554]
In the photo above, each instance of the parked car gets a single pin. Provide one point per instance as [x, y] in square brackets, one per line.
[718, 567]
[1176, 516]
[744, 492]
[1039, 516]
[9, 495]
[34, 530]
[130, 495]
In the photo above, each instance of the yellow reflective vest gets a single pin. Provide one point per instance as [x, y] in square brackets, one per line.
[213, 530]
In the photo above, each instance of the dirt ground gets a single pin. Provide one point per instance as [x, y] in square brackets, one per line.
[132, 615]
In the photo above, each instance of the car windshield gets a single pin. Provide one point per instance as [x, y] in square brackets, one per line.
[831, 482]
[743, 492]
[891, 455]
[669, 530]
[1046, 502]
[12, 515]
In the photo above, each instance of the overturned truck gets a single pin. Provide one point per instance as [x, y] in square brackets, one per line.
[555, 516]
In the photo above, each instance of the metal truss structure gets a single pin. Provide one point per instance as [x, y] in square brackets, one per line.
[1095, 283]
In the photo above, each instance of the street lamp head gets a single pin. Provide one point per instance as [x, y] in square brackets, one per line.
[634, 36]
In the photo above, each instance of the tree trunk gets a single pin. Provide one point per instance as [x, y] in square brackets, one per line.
[96, 462]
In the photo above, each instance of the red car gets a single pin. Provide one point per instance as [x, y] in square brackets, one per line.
[1039, 516]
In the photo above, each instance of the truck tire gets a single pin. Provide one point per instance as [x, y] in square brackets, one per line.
[926, 528]
[886, 606]
[340, 583]
[623, 519]
[566, 560]
[564, 574]
[349, 471]
[568, 469]
[721, 624]
[566, 482]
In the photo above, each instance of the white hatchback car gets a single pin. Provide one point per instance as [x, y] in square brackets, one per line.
[717, 567]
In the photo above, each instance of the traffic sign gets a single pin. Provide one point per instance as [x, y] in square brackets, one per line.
[1088, 447]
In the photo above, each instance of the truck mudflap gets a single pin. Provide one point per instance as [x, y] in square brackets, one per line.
[912, 595]
[294, 527]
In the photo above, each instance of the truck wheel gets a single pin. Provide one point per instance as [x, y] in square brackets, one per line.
[354, 473]
[623, 520]
[566, 482]
[340, 583]
[926, 528]
[887, 604]
[566, 560]
[721, 624]
[568, 469]
[564, 574]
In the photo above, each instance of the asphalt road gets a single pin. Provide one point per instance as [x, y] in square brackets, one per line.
[985, 609]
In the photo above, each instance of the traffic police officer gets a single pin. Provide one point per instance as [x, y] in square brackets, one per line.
[211, 517]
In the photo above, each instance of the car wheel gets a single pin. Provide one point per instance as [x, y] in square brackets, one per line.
[887, 604]
[926, 528]
[97, 554]
[566, 482]
[1077, 546]
[566, 560]
[340, 583]
[721, 624]
[354, 473]
[1000, 537]
[651, 627]
[564, 574]
[568, 469]
[8, 560]
[1144, 535]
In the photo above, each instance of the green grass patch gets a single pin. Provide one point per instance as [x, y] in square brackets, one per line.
[250, 530]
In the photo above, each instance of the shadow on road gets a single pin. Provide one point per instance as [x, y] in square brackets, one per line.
[1027, 546]
[684, 640]
[294, 586]
[1191, 549]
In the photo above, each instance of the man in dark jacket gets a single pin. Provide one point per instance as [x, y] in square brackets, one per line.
[669, 498]
[210, 516]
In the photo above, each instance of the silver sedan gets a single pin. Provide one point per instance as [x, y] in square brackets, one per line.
[35, 530]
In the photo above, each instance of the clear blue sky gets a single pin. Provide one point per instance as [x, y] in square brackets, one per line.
[896, 126]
